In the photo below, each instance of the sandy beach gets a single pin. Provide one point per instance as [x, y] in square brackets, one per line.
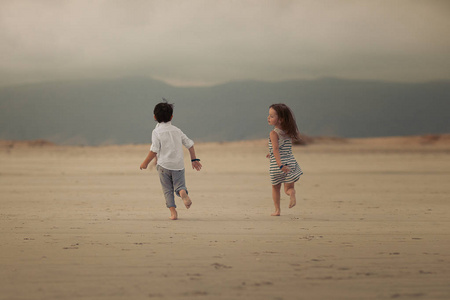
[371, 222]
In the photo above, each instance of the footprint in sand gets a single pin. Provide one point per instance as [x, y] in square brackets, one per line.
[220, 266]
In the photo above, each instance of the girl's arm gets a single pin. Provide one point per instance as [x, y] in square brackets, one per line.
[276, 151]
[151, 155]
[275, 147]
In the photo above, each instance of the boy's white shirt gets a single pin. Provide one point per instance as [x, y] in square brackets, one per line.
[167, 142]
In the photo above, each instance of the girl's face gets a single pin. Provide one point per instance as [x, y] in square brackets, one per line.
[272, 119]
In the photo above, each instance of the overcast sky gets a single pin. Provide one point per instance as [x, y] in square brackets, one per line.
[190, 42]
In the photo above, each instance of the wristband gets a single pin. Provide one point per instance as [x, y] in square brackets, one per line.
[195, 159]
[281, 167]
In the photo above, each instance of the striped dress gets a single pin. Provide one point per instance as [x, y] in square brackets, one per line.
[287, 158]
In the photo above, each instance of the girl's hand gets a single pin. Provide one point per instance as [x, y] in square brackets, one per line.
[286, 169]
[268, 155]
[196, 165]
[143, 166]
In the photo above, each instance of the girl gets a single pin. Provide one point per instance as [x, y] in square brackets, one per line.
[283, 166]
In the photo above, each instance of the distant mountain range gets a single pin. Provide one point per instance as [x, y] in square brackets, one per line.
[120, 111]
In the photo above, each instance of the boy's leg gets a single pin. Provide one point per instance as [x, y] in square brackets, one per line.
[173, 213]
[276, 199]
[179, 185]
[290, 191]
[165, 176]
[185, 197]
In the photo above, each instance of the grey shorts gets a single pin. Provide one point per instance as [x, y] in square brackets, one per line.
[171, 181]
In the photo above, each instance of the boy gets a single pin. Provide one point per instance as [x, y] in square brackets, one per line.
[167, 142]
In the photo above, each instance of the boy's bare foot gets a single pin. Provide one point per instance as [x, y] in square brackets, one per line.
[276, 213]
[187, 201]
[293, 199]
[173, 213]
[185, 197]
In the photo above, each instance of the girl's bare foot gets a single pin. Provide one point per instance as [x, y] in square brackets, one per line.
[173, 213]
[186, 200]
[293, 199]
[276, 213]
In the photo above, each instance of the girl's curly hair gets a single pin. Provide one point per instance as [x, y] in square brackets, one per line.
[287, 120]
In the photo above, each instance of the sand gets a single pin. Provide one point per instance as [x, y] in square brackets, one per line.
[371, 222]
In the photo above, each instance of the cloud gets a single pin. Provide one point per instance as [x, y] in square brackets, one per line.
[206, 42]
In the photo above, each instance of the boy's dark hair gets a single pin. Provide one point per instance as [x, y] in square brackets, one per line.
[163, 111]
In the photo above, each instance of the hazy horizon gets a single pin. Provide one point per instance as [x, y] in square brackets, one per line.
[121, 111]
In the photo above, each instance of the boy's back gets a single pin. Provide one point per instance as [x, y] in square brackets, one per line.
[167, 142]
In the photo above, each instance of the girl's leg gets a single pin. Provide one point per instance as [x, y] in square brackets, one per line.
[276, 199]
[290, 191]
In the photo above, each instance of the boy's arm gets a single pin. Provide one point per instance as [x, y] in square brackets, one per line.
[195, 164]
[151, 155]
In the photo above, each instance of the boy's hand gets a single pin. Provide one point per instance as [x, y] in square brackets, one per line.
[151, 155]
[196, 165]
